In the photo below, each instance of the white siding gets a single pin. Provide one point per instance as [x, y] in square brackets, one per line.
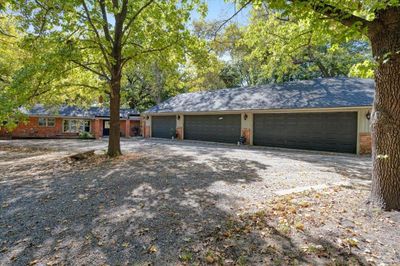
[363, 122]
[180, 122]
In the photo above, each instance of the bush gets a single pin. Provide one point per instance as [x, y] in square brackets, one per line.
[85, 135]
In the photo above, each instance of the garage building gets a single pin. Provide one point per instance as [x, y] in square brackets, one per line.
[322, 114]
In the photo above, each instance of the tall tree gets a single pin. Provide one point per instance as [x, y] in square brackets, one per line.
[154, 79]
[379, 21]
[12, 57]
[272, 48]
[104, 36]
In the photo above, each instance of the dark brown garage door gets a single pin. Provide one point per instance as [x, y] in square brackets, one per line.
[217, 128]
[163, 126]
[335, 132]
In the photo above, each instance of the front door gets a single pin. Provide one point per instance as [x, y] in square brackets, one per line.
[106, 127]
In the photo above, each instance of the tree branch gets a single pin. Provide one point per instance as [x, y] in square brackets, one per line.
[3, 32]
[47, 10]
[105, 24]
[133, 18]
[103, 51]
[230, 18]
[151, 50]
[90, 69]
[80, 85]
[340, 15]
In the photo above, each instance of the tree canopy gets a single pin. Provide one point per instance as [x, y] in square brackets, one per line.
[88, 44]
[68, 51]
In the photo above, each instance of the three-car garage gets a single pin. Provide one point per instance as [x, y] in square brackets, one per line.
[329, 131]
[322, 114]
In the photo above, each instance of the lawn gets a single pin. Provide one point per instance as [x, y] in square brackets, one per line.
[167, 202]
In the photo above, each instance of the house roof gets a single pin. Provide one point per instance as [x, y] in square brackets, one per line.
[73, 111]
[317, 93]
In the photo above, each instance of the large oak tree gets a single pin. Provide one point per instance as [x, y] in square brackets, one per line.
[104, 36]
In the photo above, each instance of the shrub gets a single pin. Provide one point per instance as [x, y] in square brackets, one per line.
[85, 135]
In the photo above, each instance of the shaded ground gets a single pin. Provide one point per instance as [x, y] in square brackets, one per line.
[168, 202]
[329, 227]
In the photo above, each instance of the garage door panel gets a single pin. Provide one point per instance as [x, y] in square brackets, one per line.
[316, 131]
[163, 126]
[217, 128]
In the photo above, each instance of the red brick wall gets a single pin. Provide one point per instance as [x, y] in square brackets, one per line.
[147, 132]
[122, 125]
[31, 129]
[179, 133]
[365, 143]
[134, 123]
[97, 128]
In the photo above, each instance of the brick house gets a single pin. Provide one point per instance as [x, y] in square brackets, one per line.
[69, 121]
[331, 114]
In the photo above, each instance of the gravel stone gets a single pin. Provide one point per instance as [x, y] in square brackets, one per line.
[146, 206]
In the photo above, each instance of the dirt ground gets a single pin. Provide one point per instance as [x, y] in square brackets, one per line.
[173, 203]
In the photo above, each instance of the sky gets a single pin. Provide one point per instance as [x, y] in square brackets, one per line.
[220, 10]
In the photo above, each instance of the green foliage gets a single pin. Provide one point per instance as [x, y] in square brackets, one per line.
[203, 74]
[296, 37]
[75, 50]
[186, 256]
[57, 52]
[230, 75]
[363, 70]
[277, 46]
[85, 135]
[291, 48]
[224, 66]
[161, 75]
[152, 81]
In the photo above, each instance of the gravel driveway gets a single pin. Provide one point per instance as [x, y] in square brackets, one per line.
[145, 207]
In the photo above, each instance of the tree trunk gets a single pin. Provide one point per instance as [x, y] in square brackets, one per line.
[114, 146]
[385, 119]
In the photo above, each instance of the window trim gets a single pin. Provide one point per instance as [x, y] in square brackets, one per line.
[46, 121]
[79, 121]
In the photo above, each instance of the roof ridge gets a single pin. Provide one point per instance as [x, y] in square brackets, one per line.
[272, 84]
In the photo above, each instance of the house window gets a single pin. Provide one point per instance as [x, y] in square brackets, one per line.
[51, 122]
[42, 122]
[76, 126]
[46, 122]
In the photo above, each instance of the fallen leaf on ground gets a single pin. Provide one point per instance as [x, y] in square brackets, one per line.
[152, 249]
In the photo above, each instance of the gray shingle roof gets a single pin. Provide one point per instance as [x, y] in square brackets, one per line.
[317, 93]
[73, 111]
